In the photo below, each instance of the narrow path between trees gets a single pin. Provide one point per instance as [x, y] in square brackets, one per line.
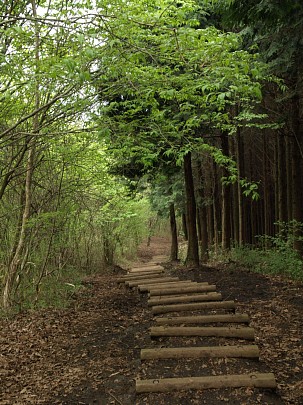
[90, 353]
[170, 295]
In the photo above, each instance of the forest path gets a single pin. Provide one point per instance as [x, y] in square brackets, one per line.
[195, 357]
[89, 353]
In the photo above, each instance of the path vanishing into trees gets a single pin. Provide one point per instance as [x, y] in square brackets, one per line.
[89, 353]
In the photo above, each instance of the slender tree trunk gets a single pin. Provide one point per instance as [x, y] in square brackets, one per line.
[17, 257]
[234, 199]
[192, 258]
[289, 152]
[226, 208]
[203, 234]
[241, 174]
[216, 208]
[16, 260]
[297, 158]
[184, 226]
[282, 187]
[174, 234]
[276, 176]
[210, 225]
[201, 211]
[266, 192]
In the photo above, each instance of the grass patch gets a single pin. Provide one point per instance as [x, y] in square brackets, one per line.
[284, 261]
[56, 290]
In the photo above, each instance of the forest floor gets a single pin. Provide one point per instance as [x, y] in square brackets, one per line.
[90, 352]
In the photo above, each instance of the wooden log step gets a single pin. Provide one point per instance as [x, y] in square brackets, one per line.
[248, 351]
[141, 277]
[217, 318]
[144, 273]
[153, 280]
[199, 287]
[147, 264]
[147, 268]
[170, 284]
[211, 296]
[163, 309]
[258, 380]
[213, 331]
[181, 283]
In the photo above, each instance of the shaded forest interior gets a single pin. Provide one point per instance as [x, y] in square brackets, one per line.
[120, 118]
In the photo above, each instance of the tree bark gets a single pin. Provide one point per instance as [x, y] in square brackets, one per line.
[241, 174]
[216, 208]
[174, 234]
[226, 206]
[17, 257]
[16, 261]
[297, 174]
[266, 193]
[282, 187]
[192, 258]
[184, 226]
[203, 242]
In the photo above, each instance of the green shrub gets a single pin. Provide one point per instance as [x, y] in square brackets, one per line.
[284, 262]
[274, 256]
[56, 290]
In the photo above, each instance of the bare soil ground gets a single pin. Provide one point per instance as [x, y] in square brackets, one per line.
[90, 352]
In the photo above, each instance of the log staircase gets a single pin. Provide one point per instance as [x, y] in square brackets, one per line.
[181, 300]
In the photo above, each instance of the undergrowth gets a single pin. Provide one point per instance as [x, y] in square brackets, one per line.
[284, 262]
[56, 290]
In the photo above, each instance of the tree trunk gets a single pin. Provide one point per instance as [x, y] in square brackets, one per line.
[241, 174]
[289, 152]
[108, 249]
[184, 226]
[297, 174]
[276, 182]
[204, 234]
[17, 257]
[226, 207]
[210, 225]
[174, 234]
[201, 210]
[282, 187]
[216, 208]
[16, 261]
[266, 193]
[192, 258]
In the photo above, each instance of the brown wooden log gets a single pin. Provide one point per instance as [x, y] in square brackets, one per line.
[147, 264]
[144, 273]
[183, 290]
[163, 309]
[235, 332]
[258, 380]
[170, 284]
[181, 283]
[220, 318]
[212, 296]
[247, 351]
[147, 268]
[153, 280]
[139, 277]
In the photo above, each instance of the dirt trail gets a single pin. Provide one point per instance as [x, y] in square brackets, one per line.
[89, 353]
